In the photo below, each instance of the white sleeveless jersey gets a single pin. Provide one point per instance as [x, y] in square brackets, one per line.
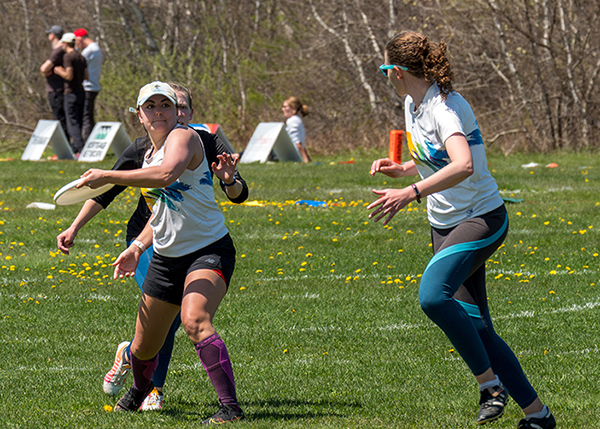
[186, 216]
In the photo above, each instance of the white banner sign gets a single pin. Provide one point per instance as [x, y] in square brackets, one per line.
[47, 132]
[270, 136]
[103, 136]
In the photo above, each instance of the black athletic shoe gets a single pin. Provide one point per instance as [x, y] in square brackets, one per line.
[226, 414]
[492, 401]
[547, 422]
[133, 399]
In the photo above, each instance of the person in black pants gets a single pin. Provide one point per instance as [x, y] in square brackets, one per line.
[74, 72]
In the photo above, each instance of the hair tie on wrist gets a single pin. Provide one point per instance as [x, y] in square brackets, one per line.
[417, 193]
[231, 184]
[140, 245]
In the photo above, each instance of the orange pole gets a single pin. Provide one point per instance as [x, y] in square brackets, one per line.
[395, 151]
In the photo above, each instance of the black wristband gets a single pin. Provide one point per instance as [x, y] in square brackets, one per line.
[417, 193]
[231, 184]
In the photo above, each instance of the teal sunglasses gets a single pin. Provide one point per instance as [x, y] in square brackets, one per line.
[384, 69]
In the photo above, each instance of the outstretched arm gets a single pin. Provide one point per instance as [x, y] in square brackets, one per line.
[393, 200]
[181, 150]
[65, 240]
[391, 169]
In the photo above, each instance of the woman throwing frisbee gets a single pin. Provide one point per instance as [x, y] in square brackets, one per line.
[467, 216]
[194, 256]
[132, 158]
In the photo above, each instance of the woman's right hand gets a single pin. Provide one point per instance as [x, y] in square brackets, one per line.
[127, 262]
[65, 240]
[388, 167]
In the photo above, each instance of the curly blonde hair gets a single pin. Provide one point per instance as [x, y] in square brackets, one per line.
[423, 58]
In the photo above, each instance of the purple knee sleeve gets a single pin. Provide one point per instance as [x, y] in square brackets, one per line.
[213, 355]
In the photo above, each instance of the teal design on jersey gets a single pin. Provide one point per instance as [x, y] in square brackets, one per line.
[169, 195]
[436, 159]
[207, 179]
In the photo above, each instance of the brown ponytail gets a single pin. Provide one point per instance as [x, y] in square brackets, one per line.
[423, 58]
[297, 106]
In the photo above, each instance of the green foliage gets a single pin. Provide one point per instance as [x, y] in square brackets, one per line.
[322, 319]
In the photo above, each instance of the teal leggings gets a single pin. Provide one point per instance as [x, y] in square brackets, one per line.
[453, 295]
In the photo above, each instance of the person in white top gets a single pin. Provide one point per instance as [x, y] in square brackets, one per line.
[93, 55]
[194, 256]
[467, 216]
[292, 109]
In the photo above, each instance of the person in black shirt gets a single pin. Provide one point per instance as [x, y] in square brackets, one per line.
[74, 71]
[132, 158]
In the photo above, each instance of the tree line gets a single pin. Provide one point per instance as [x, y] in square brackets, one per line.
[529, 68]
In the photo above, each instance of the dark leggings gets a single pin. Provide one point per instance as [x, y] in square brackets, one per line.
[453, 295]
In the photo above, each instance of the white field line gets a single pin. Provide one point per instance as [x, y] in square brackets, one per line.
[400, 326]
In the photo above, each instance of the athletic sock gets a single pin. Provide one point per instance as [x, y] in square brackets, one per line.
[142, 372]
[540, 415]
[213, 355]
[491, 383]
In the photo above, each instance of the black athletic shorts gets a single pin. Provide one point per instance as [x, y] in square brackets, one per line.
[166, 276]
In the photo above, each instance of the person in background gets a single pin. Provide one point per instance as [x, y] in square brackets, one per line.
[292, 109]
[132, 158]
[194, 255]
[467, 217]
[93, 56]
[74, 72]
[55, 84]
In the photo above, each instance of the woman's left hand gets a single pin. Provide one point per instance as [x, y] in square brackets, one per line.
[126, 263]
[225, 170]
[389, 203]
[94, 178]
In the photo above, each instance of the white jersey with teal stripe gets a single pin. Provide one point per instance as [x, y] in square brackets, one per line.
[186, 216]
[427, 129]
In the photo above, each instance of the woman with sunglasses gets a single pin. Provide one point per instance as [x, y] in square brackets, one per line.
[292, 109]
[194, 256]
[467, 216]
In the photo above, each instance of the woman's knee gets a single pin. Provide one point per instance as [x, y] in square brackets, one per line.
[431, 304]
[197, 325]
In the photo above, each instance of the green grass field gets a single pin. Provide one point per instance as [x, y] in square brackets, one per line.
[322, 318]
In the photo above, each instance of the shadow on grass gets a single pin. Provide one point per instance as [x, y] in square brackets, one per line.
[269, 410]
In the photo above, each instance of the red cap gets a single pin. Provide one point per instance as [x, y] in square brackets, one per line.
[80, 32]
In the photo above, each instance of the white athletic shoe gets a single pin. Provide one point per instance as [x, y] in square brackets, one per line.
[153, 402]
[114, 379]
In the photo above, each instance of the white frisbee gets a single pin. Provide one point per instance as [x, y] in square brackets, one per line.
[69, 194]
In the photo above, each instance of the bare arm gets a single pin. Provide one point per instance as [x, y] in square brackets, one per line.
[460, 167]
[65, 240]
[65, 73]
[126, 264]
[46, 68]
[391, 169]
[182, 150]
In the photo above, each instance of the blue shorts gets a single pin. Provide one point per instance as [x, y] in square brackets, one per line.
[143, 264]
